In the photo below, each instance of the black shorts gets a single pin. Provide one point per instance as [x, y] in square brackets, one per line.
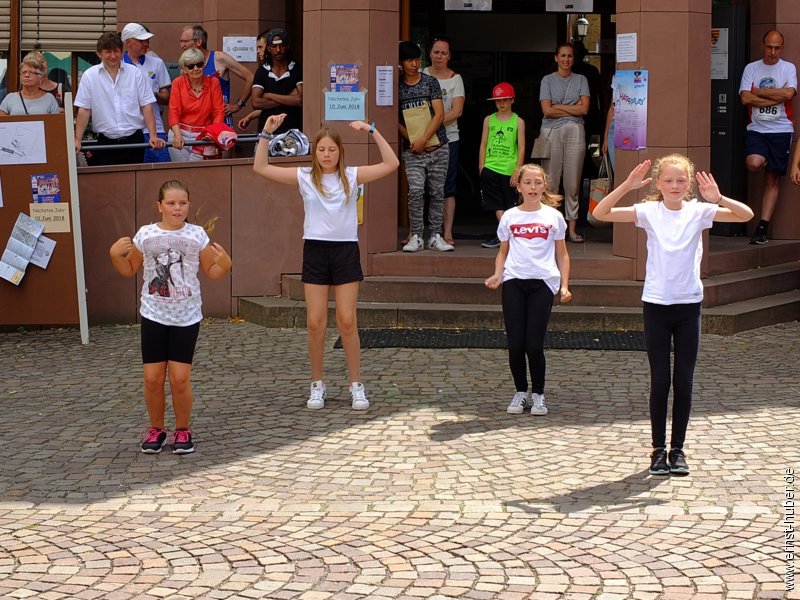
[496, 191]
[774, 147]
[162, 343]
[331, 263]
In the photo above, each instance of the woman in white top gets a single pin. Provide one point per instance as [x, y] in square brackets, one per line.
[330, 252]
[674, 222]
[453, 97]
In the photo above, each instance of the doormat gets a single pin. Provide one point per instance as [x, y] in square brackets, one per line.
[494, 338]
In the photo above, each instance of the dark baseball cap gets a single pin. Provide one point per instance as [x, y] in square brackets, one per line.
[277, 36]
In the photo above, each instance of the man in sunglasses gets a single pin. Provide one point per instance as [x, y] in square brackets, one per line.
[118, 99]
[136, 39]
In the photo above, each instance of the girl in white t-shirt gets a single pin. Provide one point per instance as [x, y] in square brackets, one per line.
[533, 266]
[170, 310]
[330, 253]
[674, 222]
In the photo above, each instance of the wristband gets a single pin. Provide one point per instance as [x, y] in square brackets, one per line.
[265, 136]
[240, 102]
[371, 128]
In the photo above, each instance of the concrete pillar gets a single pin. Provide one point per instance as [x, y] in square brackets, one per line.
[362, 32]
[674, 46]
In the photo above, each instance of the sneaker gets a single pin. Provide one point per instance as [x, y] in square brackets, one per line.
[358, 397]
[759, 237]
[414, 244]
[658, 462]
[493, 242]
[518, 403]
[316, 398]
[154, 440]
[537, 404]
[677, 462]
[182, 442]
[437, 243]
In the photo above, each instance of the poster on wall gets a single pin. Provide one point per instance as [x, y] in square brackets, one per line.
[630, 120]
[344, 78]
[45, 188]
[719, 53]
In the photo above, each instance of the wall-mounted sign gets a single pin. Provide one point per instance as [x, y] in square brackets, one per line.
[468, 4]
[570, 6]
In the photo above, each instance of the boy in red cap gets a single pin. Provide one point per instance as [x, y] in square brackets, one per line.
[502, 152]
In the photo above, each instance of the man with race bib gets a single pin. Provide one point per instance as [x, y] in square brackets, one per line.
[767, 88]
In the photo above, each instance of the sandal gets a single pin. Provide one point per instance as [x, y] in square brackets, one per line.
[575, 239]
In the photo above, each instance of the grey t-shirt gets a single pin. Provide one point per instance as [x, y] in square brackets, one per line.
[46, 105]
[563, 90]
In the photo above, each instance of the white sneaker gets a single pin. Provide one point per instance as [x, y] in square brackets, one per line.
[414, 244]
[437, 243]
[518, 403]
[316, 398]
[358, 396]
[537, 404]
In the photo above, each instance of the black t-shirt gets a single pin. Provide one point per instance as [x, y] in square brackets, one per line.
[422, 93]
[270, 83]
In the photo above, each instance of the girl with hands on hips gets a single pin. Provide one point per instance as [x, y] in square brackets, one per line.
[674, 221]
[532, 266]
[331, 256]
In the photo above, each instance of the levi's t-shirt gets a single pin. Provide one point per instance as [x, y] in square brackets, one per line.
[531, 240]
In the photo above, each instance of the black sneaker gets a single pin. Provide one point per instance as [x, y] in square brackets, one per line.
[677, 462]
[759, 237]
[182, 442]
[154, 440]
[658, 462]
[493, 242]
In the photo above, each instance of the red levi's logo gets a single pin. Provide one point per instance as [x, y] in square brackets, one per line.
[531, 230]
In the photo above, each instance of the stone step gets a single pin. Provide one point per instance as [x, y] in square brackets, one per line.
[720, 289]
[723, 320]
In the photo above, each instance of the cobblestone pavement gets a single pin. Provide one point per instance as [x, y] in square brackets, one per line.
[435, 492]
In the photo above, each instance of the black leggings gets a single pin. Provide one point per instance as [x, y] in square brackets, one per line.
[526, 311]
[679, 324]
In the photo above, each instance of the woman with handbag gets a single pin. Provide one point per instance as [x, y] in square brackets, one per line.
[30, 100]
[564, 97]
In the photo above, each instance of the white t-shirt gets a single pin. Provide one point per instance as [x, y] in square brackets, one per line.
[769, 119]
[333, 218]
[531, 240]
[116, 104]
[156, 74]
[171, 290]
[674, 250]
[451, 88]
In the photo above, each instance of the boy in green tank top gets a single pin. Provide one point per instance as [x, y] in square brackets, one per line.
[502, 152]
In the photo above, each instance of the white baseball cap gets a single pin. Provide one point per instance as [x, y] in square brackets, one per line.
[135, 31]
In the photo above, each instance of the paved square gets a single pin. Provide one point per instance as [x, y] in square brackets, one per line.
[434, 492]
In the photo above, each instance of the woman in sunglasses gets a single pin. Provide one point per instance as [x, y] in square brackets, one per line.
[195, 102]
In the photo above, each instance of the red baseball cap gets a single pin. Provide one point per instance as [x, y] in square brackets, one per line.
[502, 91]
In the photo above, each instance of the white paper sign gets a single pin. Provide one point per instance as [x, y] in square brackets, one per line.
[43, 252]
[719, 53]
[22, 143]
[626, 47]
[384, 77]
[242, 48]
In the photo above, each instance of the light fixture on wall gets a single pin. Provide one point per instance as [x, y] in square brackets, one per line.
[581, 27]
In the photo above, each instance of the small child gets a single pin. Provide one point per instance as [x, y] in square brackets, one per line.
[533, 266]
[674, 222]
[501, 153]
[171, 310]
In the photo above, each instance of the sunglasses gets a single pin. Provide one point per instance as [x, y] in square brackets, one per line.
[192, 66]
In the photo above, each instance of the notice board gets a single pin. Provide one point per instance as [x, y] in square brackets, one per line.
[37, 178]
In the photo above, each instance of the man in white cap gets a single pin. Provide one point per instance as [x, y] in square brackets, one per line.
[136, 39]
